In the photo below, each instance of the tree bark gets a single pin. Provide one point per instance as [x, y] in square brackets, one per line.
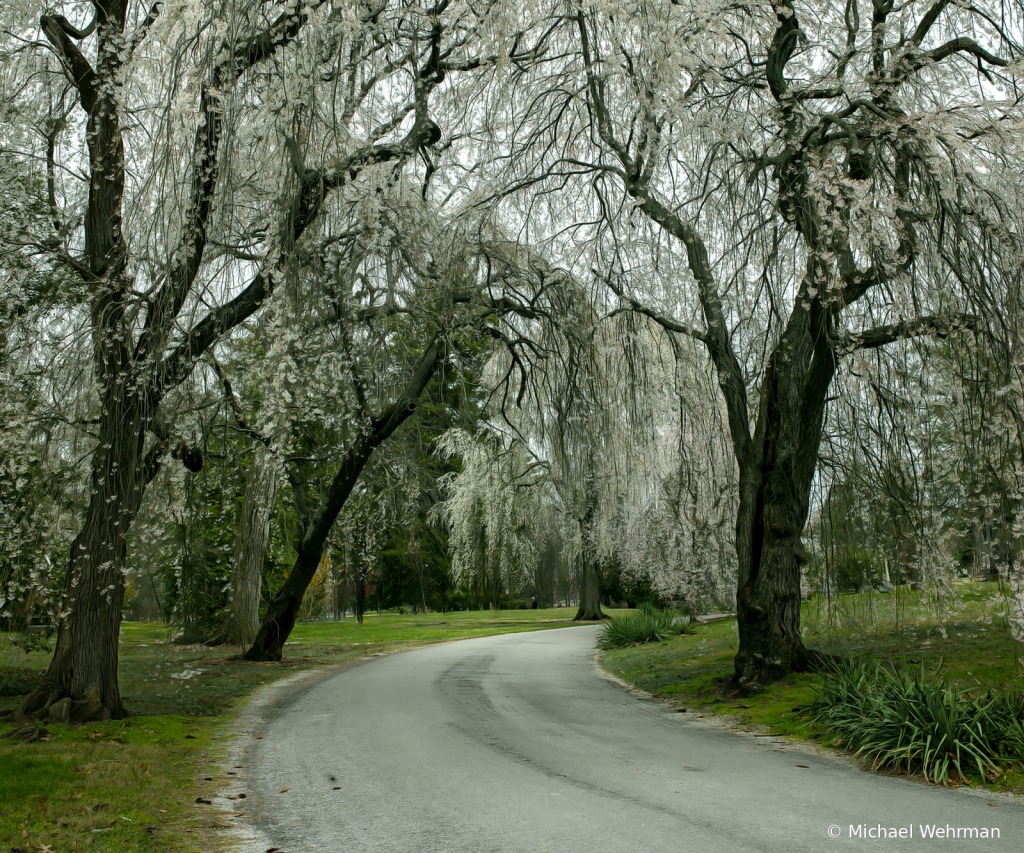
[80, 683]
[590, 593]
[241, 617]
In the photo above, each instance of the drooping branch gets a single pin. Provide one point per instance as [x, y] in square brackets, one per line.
[637, 185]
[307, 202]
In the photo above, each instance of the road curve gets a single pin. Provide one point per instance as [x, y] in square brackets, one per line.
[517, 744]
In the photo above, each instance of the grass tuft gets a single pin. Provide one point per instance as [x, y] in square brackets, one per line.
[905, 720]
[643, 626]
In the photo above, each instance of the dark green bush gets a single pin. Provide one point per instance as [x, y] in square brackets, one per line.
[646, 625]
[904, 720]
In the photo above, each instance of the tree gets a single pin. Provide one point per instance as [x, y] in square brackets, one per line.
[851, 182]
[241, 615]
[204, 232]
[490, 502]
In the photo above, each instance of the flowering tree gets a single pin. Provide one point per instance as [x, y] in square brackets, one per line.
[192, 157]
[795, 183]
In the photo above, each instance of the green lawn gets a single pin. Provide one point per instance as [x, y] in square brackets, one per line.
[973, 655]
[130, 786]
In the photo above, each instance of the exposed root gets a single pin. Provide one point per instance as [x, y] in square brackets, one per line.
[755, 673]
[585, 615]
[53, 703]
[29, 734]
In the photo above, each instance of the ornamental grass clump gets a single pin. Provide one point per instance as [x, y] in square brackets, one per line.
[904, 721]
[644, 626]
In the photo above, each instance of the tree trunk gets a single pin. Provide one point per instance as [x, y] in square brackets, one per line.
[80, 684]
[360, 595]
[775, 491]
[241, 617]
[590, 593]
[284, 607]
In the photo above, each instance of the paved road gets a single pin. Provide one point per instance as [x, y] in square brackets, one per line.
[517, 744]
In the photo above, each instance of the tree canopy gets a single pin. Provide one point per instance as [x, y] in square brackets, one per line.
[685, 274]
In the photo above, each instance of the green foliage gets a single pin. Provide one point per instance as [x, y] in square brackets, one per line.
[647, 625]
[904, 720]
[855, 569]
[632, 591]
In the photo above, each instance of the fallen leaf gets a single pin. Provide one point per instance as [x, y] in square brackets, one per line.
[148, 732]
[190, 737]
[285, 788]
[807, 766]
[204, 800]
[241, 796]
[78, 795]
[336, 788]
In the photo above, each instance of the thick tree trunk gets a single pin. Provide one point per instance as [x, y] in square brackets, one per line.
[590, 593]
[775, 490]
[80, 684]
[241, 617]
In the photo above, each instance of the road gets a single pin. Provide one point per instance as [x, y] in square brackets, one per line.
[518, 744]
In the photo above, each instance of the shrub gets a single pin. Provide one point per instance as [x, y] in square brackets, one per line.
[647, 625]
[904, 720]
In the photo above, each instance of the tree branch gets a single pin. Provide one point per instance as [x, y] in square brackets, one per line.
[879, 336]
[82, 75]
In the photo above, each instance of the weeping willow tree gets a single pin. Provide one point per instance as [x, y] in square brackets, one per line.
[210, 143]
[618, 431]
[489, 509]
[787, 197]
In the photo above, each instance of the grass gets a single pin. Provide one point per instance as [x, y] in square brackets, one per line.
[975, 656]
[109, 787]
[131, 785]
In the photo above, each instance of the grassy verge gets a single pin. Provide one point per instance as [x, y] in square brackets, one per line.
[971, 652]
[132, 785]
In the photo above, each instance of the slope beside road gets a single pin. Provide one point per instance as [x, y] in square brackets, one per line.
[518, 744]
